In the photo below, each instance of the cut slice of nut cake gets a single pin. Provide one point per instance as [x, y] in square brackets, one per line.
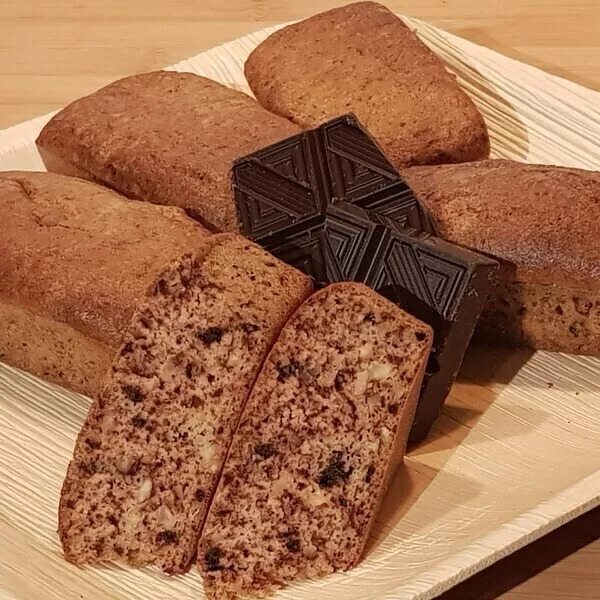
[148, 457]
[323, 430]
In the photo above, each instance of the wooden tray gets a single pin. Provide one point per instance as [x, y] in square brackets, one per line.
[515, 454]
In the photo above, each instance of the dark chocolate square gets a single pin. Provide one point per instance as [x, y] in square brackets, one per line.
[331, 247]
[277, 188]
[280, 187]
[330, 203]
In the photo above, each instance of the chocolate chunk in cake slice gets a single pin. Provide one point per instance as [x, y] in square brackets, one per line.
[150, 452]
[324, 428]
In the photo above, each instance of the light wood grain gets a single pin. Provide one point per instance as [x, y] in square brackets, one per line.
[52, 52]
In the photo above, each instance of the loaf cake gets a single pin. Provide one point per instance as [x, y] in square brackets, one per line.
[361, 58]
[541, 222]
[150, 452]
[75, 258]
[324, 428]
[164, 137]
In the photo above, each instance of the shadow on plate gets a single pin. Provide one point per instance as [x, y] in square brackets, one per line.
[409, 483]
[486, 364]
[485, 372]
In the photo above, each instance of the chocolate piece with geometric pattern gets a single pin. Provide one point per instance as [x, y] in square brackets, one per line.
[279, 188]
[442, 284]
[333, 246]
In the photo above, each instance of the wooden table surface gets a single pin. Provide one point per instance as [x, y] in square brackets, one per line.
[52, 51]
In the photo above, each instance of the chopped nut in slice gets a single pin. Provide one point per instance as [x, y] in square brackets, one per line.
[108, 422]
[372, 445]
[378, 371]
[165, 517]
[386, 434]
[145, 490]
[365, 351]
[315, 496]
[360, 383]
[133, 518]
[125, 463]
[209, 456]
[283, 483]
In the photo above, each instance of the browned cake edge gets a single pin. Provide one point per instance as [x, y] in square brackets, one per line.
[56, 164]
[395, 457]
[542, 317]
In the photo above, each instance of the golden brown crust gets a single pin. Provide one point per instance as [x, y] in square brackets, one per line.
[164, 137]
[80, 256]
[543, 220]
[361, 58]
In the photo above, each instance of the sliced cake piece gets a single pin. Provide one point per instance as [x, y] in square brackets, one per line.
[324, 428]
[148, 457]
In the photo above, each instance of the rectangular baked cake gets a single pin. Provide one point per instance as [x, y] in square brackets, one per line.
[163, 137]
[361, 58]
[541, 223]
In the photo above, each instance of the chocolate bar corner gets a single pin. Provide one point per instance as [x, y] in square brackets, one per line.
[329, 202]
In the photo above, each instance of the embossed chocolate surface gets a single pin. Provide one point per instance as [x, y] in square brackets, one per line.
[281, 187]
[332, 246]
[440, 283]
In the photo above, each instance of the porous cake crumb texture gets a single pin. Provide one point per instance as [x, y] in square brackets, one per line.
[149, 454]
[323, 430]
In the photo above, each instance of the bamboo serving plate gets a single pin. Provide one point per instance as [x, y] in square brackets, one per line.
[515, 454]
